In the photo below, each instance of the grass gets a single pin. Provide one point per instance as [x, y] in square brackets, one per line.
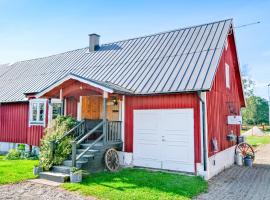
[12, 171]
[258, 140]
[139, 184]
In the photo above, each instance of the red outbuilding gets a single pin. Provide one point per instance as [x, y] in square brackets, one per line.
[177, 96]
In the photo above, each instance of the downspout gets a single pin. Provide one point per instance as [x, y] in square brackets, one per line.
[203, 133]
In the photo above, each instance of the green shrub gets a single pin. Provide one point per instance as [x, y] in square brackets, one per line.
[21, 147]
[53, 133]
[13, 154]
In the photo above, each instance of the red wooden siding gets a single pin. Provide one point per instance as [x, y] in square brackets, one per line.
[71, 107]
[14, 125]
[14, 122]
[162, 102]
[222, 101]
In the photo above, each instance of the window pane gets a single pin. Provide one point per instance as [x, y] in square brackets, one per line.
[41, 112]
[34, 112]
[56, 110]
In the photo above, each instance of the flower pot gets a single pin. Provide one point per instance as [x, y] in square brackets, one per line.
[238, 159]
[36, 171]
[75, 177]
[248, 162]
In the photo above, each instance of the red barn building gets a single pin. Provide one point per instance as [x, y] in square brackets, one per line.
[172, 91]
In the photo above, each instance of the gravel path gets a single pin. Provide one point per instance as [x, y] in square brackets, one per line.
[239, 183]
[30, 191]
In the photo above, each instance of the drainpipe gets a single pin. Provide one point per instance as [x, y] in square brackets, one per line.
[203, 133]
[104, 117]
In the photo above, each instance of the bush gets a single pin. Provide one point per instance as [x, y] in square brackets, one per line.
[57, 128]
[13, 154]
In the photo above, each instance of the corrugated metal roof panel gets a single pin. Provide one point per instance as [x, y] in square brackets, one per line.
[174, 61]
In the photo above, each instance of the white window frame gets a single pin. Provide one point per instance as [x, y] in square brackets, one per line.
[227, 75]
[50, 113]
[37, 122]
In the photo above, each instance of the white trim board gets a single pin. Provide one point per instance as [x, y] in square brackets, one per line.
[69, 77]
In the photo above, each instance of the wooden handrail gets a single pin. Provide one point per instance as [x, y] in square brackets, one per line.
[88, 148]
[89, 133]
[71, 130]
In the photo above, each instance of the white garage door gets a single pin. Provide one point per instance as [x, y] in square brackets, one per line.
[164, 139]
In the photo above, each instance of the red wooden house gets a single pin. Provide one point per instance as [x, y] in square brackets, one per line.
[172, 92]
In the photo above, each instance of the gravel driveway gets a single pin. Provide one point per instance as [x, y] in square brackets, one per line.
[239, 183]
[30, 191]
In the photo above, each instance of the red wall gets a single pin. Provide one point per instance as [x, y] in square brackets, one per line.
[71, 107]
[220, 99]
[14, 125]
[162, 102]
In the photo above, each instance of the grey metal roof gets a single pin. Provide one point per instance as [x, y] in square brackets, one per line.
[175, 61]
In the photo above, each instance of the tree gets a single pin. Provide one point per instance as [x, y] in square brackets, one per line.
[256, 111]
[248, 83]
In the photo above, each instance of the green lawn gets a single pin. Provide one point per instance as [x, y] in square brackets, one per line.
[258, 140]
[12, 171]
[139, 184]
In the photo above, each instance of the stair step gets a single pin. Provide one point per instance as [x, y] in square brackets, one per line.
[91, 151]
[54, 176]
[98, 144]
[61, 169]
[79, 163]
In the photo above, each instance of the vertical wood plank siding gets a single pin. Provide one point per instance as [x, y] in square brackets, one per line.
[14, 119]
[14, 125]
[71, 107]
[162, 102]
[220, 99]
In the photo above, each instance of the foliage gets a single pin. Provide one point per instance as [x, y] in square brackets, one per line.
[248, 83]
[256, 111]
[13, 154]
[20, 154]
[21, 147]
[139, 184]
[76, 170]
[12, 171]
[57, 128]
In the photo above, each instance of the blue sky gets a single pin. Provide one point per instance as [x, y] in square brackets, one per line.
[35, 28]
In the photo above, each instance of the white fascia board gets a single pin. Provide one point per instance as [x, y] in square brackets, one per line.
[91, 83]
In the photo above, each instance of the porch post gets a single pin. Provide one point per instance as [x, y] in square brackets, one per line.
[105, 96]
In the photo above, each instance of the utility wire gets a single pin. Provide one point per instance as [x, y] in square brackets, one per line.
[249, 24]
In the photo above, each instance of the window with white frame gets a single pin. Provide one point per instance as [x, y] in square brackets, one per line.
[37, 111]
[227, 75]
[55, 108]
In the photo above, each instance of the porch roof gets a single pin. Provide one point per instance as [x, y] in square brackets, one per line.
[104, 86]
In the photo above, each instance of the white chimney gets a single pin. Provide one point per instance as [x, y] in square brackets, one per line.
[93, 42]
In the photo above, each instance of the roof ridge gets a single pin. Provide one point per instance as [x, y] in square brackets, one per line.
[149, 35]
[162, 32]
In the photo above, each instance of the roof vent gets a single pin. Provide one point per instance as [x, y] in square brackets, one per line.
[93, 42]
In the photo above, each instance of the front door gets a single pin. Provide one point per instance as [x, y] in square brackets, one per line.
[91, 107]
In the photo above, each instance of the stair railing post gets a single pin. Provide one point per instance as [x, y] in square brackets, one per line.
[74, 146]
[105, 96]
[52, 144]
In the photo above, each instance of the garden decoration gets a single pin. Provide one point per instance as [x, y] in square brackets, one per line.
[112, 160]
[245, 151]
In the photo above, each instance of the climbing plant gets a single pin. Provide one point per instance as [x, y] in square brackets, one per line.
[56, 129]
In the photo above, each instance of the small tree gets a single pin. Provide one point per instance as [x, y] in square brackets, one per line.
[54, 132]
[256, 111]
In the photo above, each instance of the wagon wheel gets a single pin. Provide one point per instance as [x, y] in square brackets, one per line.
[245, 149]
[112, 160]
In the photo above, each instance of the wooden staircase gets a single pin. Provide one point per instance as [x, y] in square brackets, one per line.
[91, 140]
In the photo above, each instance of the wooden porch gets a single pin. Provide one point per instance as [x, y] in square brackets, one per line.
[99, 128]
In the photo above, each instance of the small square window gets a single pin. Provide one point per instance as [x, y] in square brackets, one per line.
[37, 110]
